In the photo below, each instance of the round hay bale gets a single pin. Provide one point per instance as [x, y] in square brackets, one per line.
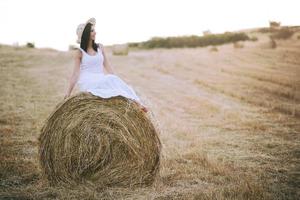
[104, 142]
[238, 45]
[120, 49]
[214, 49]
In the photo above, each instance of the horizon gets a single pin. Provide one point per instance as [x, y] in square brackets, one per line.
[137, 21]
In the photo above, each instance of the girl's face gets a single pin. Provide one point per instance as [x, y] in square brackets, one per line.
[93, 33]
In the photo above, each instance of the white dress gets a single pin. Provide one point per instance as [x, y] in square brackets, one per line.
[92, 79]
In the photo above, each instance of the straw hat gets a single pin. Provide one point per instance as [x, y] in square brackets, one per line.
[81, 27]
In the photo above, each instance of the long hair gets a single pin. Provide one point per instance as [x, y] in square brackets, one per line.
[86, 37]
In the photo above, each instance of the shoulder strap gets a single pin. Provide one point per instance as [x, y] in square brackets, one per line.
[82, 51]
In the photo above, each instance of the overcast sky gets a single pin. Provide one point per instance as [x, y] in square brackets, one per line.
[53, 23]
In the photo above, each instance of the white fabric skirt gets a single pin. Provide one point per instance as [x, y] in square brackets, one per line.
[106, 86]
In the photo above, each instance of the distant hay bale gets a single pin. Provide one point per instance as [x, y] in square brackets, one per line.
[120, 49]
[213, 49]
[98, 141]
[72, 47]
[238, 45]
[274, 25]
[207, 32]
[253, 38]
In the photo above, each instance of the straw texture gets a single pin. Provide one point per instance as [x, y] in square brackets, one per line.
[107, 142]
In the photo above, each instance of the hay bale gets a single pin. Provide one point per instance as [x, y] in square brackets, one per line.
[103, 142]
[120, 49]
[238, 45]
[253, 38]
[274, 24]
[213, 49]
[72, 47]
[207, 32]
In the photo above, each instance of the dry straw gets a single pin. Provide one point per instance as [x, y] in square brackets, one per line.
[103, 142]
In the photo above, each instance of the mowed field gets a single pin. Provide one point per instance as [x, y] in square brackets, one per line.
[229, 119]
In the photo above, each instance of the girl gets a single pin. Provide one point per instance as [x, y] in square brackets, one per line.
[90, 61]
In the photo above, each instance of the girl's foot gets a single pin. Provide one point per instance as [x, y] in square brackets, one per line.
[141, 106]
[144, 108]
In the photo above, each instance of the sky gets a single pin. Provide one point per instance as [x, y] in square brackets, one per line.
[53, 23]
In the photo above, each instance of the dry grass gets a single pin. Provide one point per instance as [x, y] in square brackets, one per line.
[283, 33]
[230, 128]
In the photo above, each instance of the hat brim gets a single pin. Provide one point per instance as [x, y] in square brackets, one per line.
[92, 21]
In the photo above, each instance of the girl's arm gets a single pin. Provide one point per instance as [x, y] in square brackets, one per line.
[106, 64]
[76, 71]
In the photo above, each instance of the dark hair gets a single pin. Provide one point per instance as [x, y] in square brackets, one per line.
[86, 37]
